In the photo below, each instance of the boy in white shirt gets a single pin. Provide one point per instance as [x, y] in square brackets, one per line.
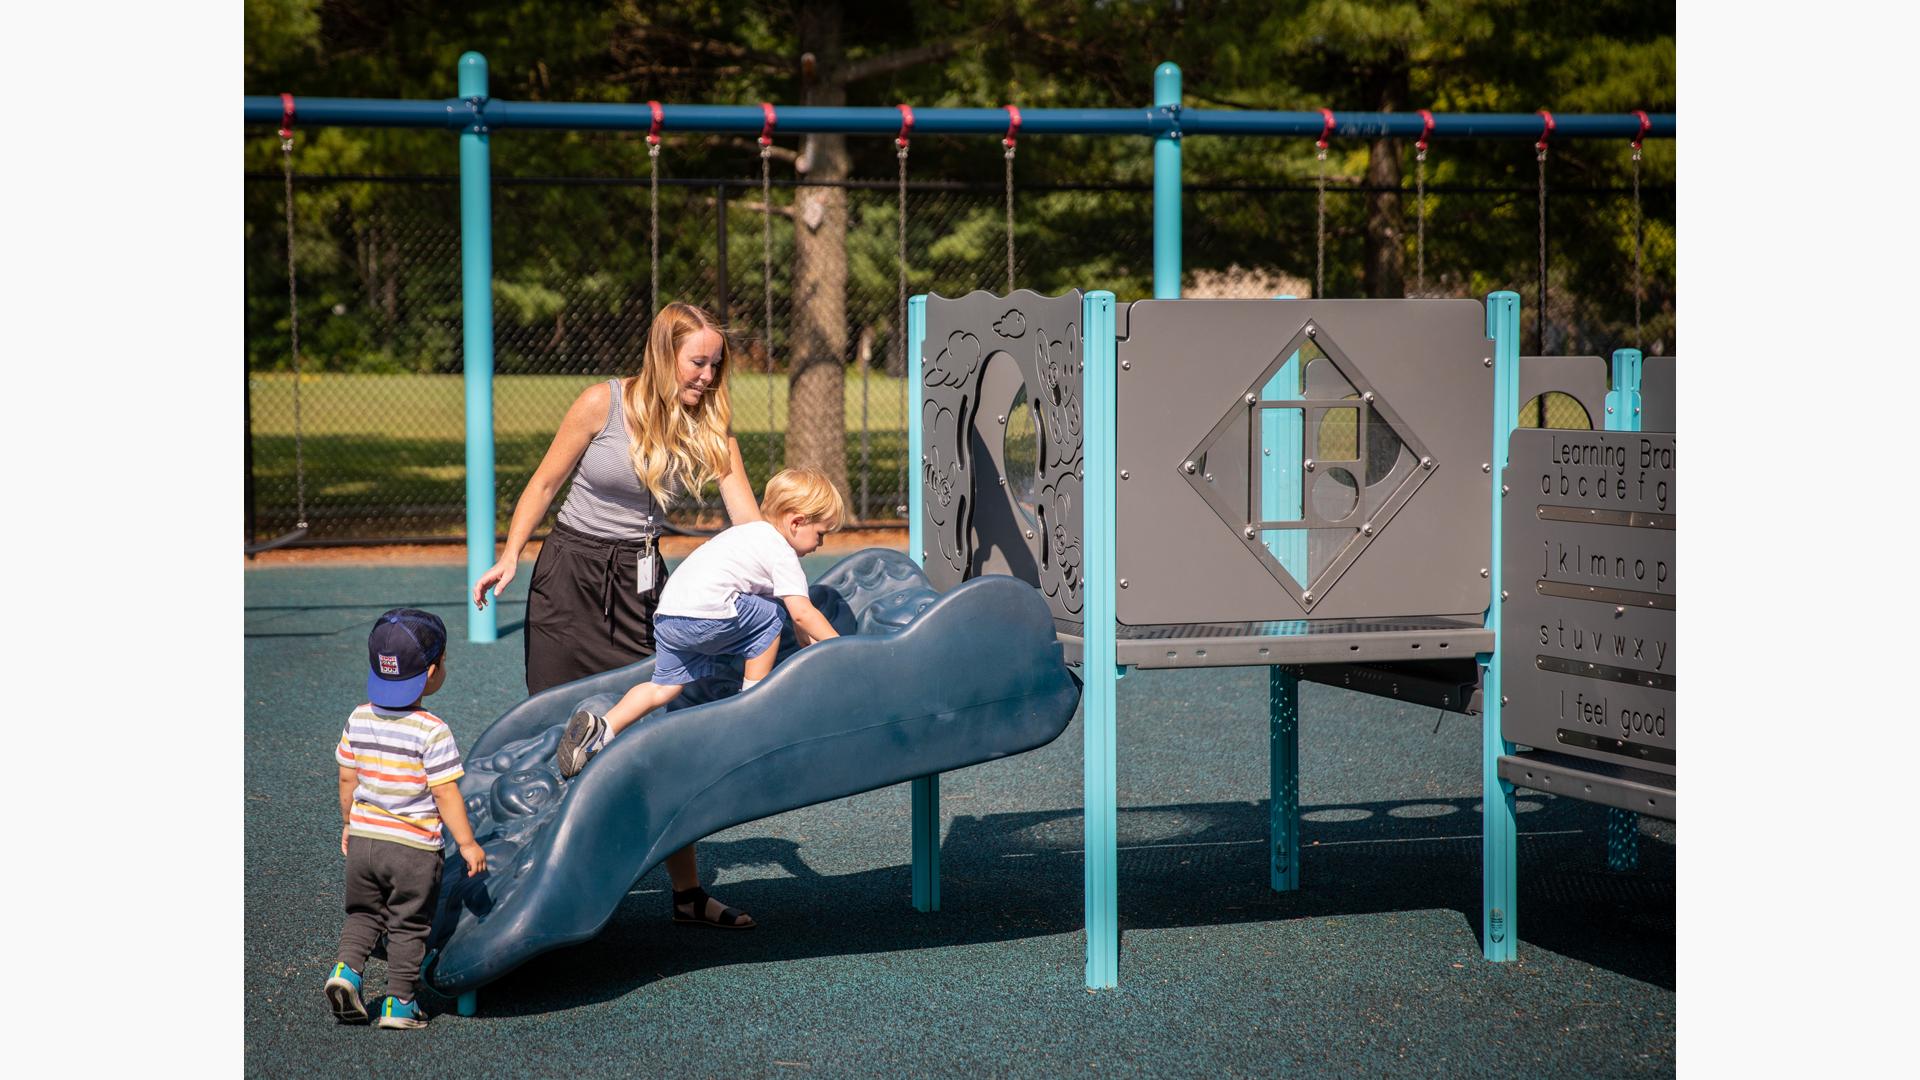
[720, 603]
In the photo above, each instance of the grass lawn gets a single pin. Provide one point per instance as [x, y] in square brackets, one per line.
[385, 454]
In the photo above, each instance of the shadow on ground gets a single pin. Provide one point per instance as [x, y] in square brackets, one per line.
[1012, 876]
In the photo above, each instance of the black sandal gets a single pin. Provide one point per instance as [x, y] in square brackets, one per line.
[696, 899]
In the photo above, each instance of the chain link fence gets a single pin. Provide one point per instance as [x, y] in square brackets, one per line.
[378, 450]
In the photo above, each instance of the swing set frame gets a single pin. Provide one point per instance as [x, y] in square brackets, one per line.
[475, 115]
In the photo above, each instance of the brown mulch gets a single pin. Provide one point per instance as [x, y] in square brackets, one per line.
[455, 554]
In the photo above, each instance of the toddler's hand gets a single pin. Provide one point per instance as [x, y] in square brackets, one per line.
[476, 857]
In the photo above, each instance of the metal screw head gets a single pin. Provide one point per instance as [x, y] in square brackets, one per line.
[1252, 397]
[1124, 474]
[1426, 463]
[1504, 699]
[1123, 583]
[1002, 418]
[1609, 408]
[1247, 532]
[1504, 594]
[1309, 464]
[1486, 467]
[1504, 489]
[1190, 467]
[1488, 362]
[1483, 571]
[1029, 534]
[1619, 610]
[1126, 365]
[1368, 396]
[1312, 330]
[1367, 529]
[1307, 597]
[1003, 481]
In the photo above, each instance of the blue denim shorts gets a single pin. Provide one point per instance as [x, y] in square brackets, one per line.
[687, 649]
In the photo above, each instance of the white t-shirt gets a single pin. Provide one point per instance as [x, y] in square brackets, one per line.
[750, 558]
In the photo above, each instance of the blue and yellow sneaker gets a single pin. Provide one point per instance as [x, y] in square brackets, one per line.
[395, 1013]
[343, 995]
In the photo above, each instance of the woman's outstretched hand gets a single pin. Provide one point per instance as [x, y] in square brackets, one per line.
[497, 576]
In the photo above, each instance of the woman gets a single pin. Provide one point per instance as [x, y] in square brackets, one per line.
[636, 442]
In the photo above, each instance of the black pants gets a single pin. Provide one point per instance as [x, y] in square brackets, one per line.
[586, 612]
[390, 887]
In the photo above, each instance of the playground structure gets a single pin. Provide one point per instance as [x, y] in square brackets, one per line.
[1178, 512]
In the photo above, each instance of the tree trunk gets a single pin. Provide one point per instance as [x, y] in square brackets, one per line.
[1385, 274]
[817, 343]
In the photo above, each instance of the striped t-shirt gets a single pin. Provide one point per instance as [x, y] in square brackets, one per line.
[399, 754]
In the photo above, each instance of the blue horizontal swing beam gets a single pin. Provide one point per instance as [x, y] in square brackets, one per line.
[495, 114]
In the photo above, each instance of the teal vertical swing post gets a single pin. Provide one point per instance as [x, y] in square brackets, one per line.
[1099, 656]
[476, 314]
[926, 789]
[1166, 185]
[1623, 414]
[1499, 836]
[1282, 456]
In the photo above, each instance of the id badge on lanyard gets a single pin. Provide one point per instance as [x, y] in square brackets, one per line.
[643, 567]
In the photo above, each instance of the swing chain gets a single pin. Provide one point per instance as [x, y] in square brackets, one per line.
[1639, 238]
[1320, 209]
[766, 256]
[653, 205]
[293, 317]
[1420, 184]
[1012, 137]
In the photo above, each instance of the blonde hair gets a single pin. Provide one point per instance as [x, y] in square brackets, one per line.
[805, 491]
[669, 443]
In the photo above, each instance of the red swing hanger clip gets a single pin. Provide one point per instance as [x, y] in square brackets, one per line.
[906, 126]
[1646, 124]
[1013, 128]
[1426, 132]
[653, 133]
[1546, 132]
[1326, 131]
[286, 117]
[766, 129]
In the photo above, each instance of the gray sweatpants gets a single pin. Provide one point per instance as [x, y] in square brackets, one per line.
[390, 887]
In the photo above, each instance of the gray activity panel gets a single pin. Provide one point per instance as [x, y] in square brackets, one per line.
[1582, 378]
[1287, 460]
[1587, 629]
[1657, 394]
[1002, 443]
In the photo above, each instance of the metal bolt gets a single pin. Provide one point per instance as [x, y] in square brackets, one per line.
[1312, 330]
[1124, 474]
[1488, 362]
[1636, 410]
[1126, 365]
[1483, 571]
[1248, 532]
[1029, 534]
[1504, 489]
[1002, 418]
[1367, 529]
[1307, 596]
[1426, 463]
[1368, 396]
[1309, 464]
[923, 556]
[1190, 467]
[1003, 481]
[1485, 467]
[1504, 699]
[1266, 452]
[1619, 610]
[1504, 594]
[1609, 408]
[1251, 398]
[1123, 583]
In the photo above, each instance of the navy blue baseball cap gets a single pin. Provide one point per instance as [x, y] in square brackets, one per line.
[404, 642]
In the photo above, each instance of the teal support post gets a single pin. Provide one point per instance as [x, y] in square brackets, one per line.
[476, 304]
[1283, 776]
[926, 789]
[1281, 499]
[467, 1004]
[1099, 656]
[1166, 186]
[1623, 414]
[1499, 836]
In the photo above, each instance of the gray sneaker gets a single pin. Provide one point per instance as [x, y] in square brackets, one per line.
[584, 734]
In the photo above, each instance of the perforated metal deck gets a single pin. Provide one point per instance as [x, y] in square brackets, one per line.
[1306, 641]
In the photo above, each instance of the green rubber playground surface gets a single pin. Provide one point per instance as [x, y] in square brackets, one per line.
[1373, 968]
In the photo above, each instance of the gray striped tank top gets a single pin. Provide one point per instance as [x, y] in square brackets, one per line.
[607, 499]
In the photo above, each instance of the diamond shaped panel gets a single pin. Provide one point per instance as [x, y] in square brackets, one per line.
[1308, 466]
